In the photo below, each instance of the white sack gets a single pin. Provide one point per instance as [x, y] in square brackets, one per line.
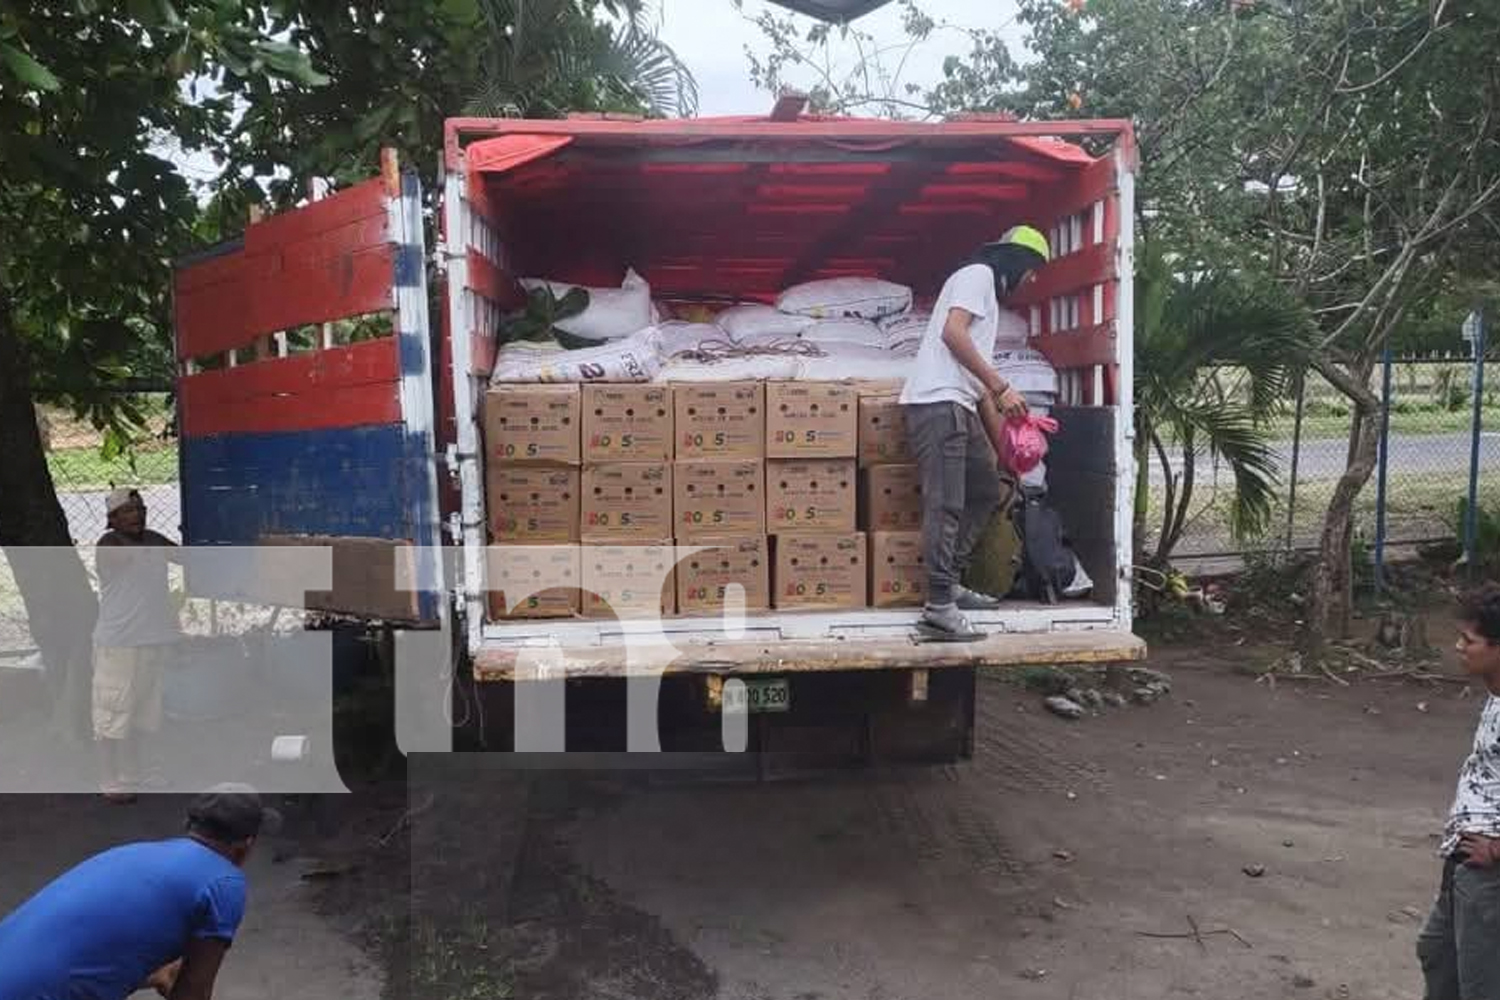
[1026, 369]
[1013, 330]
[833, 298]
[845, 331]
[755, 320]
[611, 313]
[677, 337]
[741, 369]
[632, 359]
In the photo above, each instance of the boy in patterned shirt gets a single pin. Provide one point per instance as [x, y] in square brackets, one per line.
[1459, 948]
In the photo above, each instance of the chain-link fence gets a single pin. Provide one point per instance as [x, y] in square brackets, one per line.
[1429, 446]
[86, 463]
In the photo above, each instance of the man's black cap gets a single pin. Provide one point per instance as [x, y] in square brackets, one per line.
[232, 812]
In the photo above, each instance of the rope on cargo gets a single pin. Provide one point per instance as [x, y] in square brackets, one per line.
[714, 351]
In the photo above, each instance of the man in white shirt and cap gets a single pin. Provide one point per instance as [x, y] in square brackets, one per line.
[135, 637]
[955, 404]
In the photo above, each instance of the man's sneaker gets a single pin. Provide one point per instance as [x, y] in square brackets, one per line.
[973, 600]
[943, 623]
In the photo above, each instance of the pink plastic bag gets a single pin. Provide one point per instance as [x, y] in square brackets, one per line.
[1023, 442]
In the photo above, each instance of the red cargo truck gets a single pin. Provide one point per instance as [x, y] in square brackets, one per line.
[374, 447]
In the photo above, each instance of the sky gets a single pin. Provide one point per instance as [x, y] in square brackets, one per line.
[710, 36]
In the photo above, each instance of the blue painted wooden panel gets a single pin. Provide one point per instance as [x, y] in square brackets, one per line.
[369, 482]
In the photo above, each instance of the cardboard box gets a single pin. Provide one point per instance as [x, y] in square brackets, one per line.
[529, 503]
[898, 573]
[704, 577]
[811, 494]
[825, 572]
[811, 420]
[627, 423]
[720, 420]
[629, 581]
[627, 500]
[893, 498]
[882, 431]
[533, 581]
[536, 424]
[719, 499]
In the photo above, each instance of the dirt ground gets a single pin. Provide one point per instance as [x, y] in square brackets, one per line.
[1041, 869]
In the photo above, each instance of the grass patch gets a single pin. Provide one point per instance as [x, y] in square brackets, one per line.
[457, 963]
[1418, 508]
[86, 468]
[1317, 426]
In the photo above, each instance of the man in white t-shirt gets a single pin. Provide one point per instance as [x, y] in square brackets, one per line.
[955, 403]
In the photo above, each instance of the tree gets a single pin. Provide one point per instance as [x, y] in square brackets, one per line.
[1188, 321]
[90, 215]
[398, 70]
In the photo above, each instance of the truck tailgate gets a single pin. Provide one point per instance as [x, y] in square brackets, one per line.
[811, 656]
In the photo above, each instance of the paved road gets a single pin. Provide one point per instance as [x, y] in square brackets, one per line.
[1410, 455]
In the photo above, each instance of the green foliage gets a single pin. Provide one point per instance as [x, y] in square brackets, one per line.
[1486, 530]
[91, 205]
[543, 312]
[544, 58]
[397, 71]
[1188, 319]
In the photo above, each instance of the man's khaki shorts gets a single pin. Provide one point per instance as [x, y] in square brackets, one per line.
[127, 690]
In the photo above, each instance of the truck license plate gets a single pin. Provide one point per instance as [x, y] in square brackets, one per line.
[752, 696]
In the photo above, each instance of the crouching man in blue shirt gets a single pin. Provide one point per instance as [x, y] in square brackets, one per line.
[152, 915]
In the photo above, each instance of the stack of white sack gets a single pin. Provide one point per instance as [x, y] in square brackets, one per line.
[841, 298]
[904, 333]
[836, 361]
[679, 338]
[756, 320]
[611, 313]
[1031, 373]
[636, 358]
[860, 332]
[732, 368]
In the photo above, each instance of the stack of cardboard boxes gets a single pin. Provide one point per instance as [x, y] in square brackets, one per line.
[757, 484]
[892, 502]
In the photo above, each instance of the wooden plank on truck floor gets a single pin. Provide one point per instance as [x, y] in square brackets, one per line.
[808, 656]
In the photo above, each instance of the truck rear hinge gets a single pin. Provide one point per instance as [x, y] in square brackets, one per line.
[442, 253]
[454, 459]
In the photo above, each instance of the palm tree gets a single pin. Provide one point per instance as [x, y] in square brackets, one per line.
[544, 58]
[1189, 326]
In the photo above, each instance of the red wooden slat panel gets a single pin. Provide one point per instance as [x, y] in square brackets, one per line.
[1070, 274]
[480, 199]
[356, 406]
[1112, 219]
[362, 201]
[231, 314]
[336, 382]
[320, 249]
[482, 351]
[1093, 183]
[1079, 348]
[328, 260]
[493, 283]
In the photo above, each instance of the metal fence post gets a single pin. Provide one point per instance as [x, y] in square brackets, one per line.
[1384, 468]
[1471, 515]
[1291, 500]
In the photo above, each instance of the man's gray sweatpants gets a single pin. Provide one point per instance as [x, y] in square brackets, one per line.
[1459, 948]
[960, 489]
